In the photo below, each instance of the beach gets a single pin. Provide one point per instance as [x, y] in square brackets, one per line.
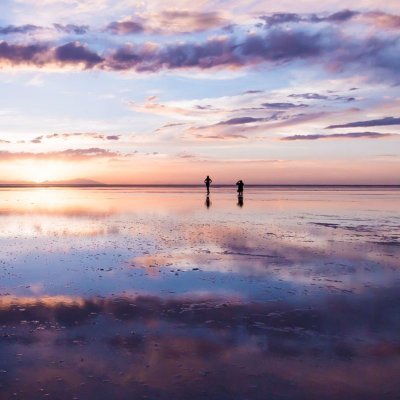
[161, 293]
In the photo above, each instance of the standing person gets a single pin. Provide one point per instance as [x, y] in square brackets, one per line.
[240, 186]
[207, 181]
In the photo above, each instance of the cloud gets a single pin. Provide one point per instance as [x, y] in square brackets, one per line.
[64, 136]
[241, 120]
[167, 22]
[125, 27]
[327, 47]
[23, 54]
[286, 18]
[373, 122]
[12, 29]
[255, 91]
[76, 53]
[309, 96]
[351, 135]
[195, 21]
[282, 106]
[383, 20]
[72, 28]
[181, 109]
[221, 136]
[37, 139]
[41, 54]
[69, 154]
[317, 96]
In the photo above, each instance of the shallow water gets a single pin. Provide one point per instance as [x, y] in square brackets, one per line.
[158, 293]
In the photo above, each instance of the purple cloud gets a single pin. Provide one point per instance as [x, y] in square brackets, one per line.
[92, 135]
[276, 46]
[373, 122]
[75, 53]
[309, 96]
[285, 18]
[240, 121]
[351, 135]
[341, 16]
[19, 54]
[283, 106]
[72, 28]
[125, 27]
[12, 29]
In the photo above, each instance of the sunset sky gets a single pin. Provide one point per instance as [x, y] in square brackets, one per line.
[166, 91]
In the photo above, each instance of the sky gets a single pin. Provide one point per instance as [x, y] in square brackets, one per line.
[159, 91]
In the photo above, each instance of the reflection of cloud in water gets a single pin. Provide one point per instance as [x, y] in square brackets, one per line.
[55, 227]
[307, 258]
[167, 348]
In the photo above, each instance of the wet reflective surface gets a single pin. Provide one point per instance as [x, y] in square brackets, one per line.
[165, 294]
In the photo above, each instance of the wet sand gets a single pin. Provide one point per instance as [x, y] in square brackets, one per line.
[130, 293]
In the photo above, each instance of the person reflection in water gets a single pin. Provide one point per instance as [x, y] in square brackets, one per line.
[240, 201]
[240, 186]
[208, 202]
[208, 181]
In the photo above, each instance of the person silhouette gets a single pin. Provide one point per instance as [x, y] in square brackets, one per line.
[208, 181]
[240, 186]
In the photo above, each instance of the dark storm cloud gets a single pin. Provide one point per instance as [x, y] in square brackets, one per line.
[351, 135]
[12, 29]
[373, 122]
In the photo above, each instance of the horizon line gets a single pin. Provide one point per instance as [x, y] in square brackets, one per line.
[189, 185]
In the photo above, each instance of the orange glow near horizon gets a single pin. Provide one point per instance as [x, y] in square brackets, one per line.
[172, 171]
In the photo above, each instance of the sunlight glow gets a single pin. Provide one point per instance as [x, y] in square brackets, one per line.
[40, 171]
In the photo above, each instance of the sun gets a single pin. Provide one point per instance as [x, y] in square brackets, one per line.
[43, 171]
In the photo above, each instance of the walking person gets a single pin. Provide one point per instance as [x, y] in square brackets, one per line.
[208, 181]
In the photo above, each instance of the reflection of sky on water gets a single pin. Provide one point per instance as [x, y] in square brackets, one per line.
[149, 292]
